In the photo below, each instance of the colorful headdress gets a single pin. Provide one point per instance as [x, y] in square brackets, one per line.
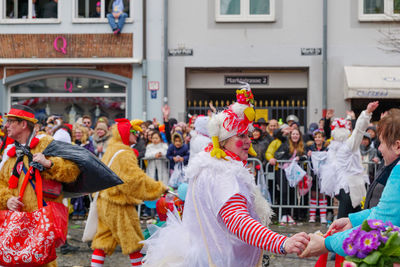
[236, 119]
[340, 123]
[136, 125]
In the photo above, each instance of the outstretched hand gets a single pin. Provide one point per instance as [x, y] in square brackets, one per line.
[316, 246]
[297, 243]
[166, 110]
[372, 106]
[340, 225]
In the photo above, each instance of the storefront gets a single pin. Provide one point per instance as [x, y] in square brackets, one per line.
[70, 92]
[72, 83]
[365, 84]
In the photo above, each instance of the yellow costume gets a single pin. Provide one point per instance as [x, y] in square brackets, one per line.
[62, 171]
[272, 148]
[118, 220]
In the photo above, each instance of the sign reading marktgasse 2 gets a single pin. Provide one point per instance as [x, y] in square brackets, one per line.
[247, 79]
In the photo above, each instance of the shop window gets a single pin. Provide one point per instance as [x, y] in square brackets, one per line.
[95, 11]
[72, 96]
[245, 10]
[68, 85]
[29, 11]
[379, 10]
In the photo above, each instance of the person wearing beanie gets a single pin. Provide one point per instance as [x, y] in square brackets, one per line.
[118, 221]
[225, 217]
[343, 175]
[20, 127]
[178, 151]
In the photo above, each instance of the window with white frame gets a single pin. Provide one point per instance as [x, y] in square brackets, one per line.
[95, 11]
[29, 11]
[245, 10]
[378, 10]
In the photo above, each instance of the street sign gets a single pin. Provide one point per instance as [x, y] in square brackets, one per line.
[311, 51]
[180, 52]
[153, 86]
[247, 79]
[153, 94]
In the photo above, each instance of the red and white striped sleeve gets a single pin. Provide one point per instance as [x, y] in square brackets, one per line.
[237, 219]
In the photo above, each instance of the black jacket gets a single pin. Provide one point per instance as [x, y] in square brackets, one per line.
[50, 10]
[375, 190]
[260, 146]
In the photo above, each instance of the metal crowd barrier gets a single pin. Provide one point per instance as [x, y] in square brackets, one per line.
[278, 192]
[273, 187]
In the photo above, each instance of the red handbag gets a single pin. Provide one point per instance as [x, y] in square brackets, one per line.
[51, 188]
[31, 238]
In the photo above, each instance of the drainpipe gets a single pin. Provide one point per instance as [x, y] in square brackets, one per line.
[165, 51]
[325, 58]
[144, 63]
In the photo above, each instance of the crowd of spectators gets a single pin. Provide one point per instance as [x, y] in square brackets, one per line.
[169, 141]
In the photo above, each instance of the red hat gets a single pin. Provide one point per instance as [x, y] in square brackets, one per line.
[22, 112]
[69, 125]
[124, 127]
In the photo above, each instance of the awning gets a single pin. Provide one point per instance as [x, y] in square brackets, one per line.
[372, 82]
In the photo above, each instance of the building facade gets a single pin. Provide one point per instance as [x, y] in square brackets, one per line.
[277, 46]
[73, 64]
[62, 57]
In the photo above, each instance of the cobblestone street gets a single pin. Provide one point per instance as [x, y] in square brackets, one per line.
[83, 256]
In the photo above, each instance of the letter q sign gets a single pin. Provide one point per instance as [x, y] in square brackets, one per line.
[62, 49]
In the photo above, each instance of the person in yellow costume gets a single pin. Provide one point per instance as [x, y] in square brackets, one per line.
[20, 127]
[118, 221]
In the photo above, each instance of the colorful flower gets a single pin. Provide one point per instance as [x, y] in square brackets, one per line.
[376, 224]
[349, 264]
[368, 242]
[354, 236]
[379, 236]
[349, 247]
[394, 228]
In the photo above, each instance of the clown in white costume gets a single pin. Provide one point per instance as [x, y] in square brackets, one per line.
[343, 174]
[224, 213]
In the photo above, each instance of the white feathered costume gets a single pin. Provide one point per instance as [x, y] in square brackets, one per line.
[213, 182]
[343, 168]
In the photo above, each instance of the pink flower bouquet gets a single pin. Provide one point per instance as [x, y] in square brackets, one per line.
[374, 243]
